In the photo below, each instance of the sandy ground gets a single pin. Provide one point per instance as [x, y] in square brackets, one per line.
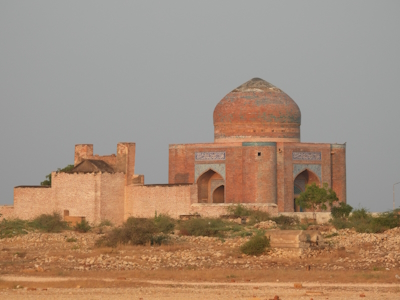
[68, 266]
[165, 289]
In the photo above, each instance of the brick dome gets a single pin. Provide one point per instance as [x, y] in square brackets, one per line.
[257, 111]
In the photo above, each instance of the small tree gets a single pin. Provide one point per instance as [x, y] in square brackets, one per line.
[48, 180]
[315, 197]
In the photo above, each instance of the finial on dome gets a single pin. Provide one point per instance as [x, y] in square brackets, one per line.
[254, 85]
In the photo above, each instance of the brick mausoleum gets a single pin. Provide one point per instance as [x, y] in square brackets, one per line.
[256, 159]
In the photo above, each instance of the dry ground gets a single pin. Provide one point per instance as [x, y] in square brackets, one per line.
[56, 266]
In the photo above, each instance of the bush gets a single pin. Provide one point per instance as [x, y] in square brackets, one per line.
[49, 223]
[83, 226]
[105, 223]
[254, 216]
[135, 231]
[256, 245]
[363, 222]
[164, 223]
[286, 221]
[238, 211]
[13, 227]
[204, 227]
[342, 211]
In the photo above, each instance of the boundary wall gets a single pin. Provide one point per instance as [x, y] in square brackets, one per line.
[6, 211]
[146, 200]
[96, 196]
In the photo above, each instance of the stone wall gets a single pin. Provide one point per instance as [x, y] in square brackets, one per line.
[112, 197]
[146, 200]
[95, 196]
[217, 210]
[6, 212]
[30, 202]
[322, 217]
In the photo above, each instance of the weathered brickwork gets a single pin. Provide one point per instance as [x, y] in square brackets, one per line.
[256, 159]
[30, 202]
[6, 212]
[146, 200]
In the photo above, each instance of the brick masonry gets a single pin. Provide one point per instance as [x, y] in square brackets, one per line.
[256, 157]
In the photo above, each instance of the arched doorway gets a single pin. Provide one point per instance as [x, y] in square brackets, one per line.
[300, 182]
[218, 195]
[211, 187]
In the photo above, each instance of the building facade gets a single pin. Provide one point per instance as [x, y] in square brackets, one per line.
[256, 159]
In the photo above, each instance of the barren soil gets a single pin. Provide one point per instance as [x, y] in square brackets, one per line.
[58, 266]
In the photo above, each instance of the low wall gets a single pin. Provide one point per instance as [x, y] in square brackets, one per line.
[322, 217]
[146, 200]
[217, 210]
[6, 212]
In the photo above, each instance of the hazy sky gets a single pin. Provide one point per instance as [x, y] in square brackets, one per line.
[151, 72]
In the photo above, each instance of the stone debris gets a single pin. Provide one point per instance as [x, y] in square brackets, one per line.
[345, 250]
[266, 225]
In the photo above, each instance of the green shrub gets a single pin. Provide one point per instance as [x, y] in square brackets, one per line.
[286, 221]
[342, 211]
[82, 226]
[257, 216]
[164, 223]
[159, 239]
[134, 231]
[362, 221]
[256, 245]
[105, 223]
[238, 211]
[204, 227]
[49, 223]
[13, 227]
[254, 216]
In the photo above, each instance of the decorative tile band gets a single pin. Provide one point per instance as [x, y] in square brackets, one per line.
[258, 144]
[209, 156]
[202, 168]
[306, 155]
[298, 168]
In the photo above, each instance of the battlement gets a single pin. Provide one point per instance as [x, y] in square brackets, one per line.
[123, 161]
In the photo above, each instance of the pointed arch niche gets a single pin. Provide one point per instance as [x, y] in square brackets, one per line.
[303, 179]
[211, 187]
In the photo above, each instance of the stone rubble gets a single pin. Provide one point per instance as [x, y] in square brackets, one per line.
[345, 249]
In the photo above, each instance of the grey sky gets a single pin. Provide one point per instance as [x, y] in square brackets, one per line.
[151, 72]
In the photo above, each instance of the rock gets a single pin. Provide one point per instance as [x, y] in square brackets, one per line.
[298, 286]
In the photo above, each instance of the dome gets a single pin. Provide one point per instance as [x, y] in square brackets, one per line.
[257, 111]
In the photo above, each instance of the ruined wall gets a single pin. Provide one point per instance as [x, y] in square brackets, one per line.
[124, 161]
[30, 202]
[6, 212]
[145, 200]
